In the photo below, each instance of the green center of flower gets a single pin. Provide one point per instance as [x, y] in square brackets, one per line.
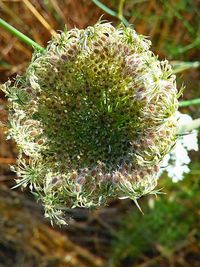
[88, 113]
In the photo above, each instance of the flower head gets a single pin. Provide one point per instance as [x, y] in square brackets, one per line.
[93, 117]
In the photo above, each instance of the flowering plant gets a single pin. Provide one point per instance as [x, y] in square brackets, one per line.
[93, 117]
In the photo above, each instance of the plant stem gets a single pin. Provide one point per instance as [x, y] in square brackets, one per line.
[186, 103]
[120, 8]
[20, 35]
[110, 12]
[179, 66]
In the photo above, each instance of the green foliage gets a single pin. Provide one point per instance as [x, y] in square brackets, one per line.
[165, 224]
[164, 18]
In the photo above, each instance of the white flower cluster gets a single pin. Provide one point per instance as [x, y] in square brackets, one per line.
[176, 162]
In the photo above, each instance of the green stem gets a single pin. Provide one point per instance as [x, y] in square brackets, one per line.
[110, 11]
[179, 66]
[189, 102]
[20, 35]
[120, 8]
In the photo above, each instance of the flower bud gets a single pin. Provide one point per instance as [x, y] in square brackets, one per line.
[105, 106]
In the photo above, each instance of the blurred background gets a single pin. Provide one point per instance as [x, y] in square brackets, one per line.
[168, 234]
